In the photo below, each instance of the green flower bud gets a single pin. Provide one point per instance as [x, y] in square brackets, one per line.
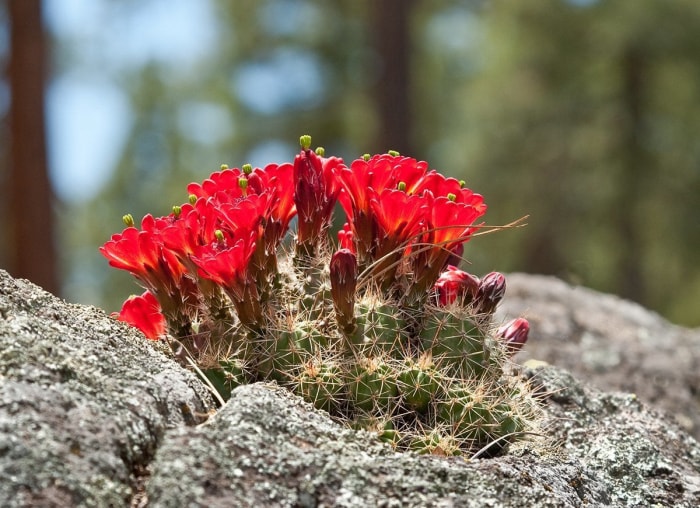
[366, 157]
[224, 166]
[320, 151]
[247, 169]
[192, 199]
[128, 220]
[393, 153]
[176, 211]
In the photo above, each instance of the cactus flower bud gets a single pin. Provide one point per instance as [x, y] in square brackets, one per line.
[514, 334]
[343, 272]
[490, 292]
[456, 284]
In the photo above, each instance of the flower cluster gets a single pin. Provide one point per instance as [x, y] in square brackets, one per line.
[405, 219]
[379, 327]
[405, 224]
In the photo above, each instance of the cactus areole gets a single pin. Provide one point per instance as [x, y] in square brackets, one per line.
[378, 327]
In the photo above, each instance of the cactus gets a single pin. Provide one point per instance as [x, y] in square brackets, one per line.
[378, 329]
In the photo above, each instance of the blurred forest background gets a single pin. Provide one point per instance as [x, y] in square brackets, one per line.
[582, 114]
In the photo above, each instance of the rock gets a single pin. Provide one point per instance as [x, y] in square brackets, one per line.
[84, 402]
[90, 412]
[612, 343]
[266, 447]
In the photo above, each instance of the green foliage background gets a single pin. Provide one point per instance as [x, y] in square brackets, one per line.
[581, 114]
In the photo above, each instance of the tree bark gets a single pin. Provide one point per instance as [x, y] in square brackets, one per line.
[33, 254]
[393, 42]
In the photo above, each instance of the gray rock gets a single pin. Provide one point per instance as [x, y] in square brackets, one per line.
[84, 402]
[90, 412]
[269, 448]
[615, 344]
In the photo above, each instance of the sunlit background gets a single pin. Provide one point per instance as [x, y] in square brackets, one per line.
[582, 114]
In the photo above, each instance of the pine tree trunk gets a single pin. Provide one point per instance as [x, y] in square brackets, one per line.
[33, 254]
[393, 42]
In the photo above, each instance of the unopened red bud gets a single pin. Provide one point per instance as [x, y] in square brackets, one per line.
[514, 334]
[343, 272]
[455, 284]
[490, 293]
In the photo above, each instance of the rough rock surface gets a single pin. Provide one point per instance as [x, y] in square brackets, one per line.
[84, 402]
[90, 412]
[269, 448]
[612, 343]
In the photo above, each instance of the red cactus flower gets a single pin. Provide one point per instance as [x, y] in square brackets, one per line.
[226, 262]
[456, 285]
[144, 313]
[279, 180]
[363, 182]
[514, 334]
[398, 215]
[315, 194]
[226, 181]
[233, 185]
[142, 253]
[448, 224]
[397, 218]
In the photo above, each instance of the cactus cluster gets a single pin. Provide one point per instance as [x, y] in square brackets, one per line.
[379, 328]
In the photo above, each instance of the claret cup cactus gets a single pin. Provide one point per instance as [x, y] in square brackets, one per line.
[379, 328]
